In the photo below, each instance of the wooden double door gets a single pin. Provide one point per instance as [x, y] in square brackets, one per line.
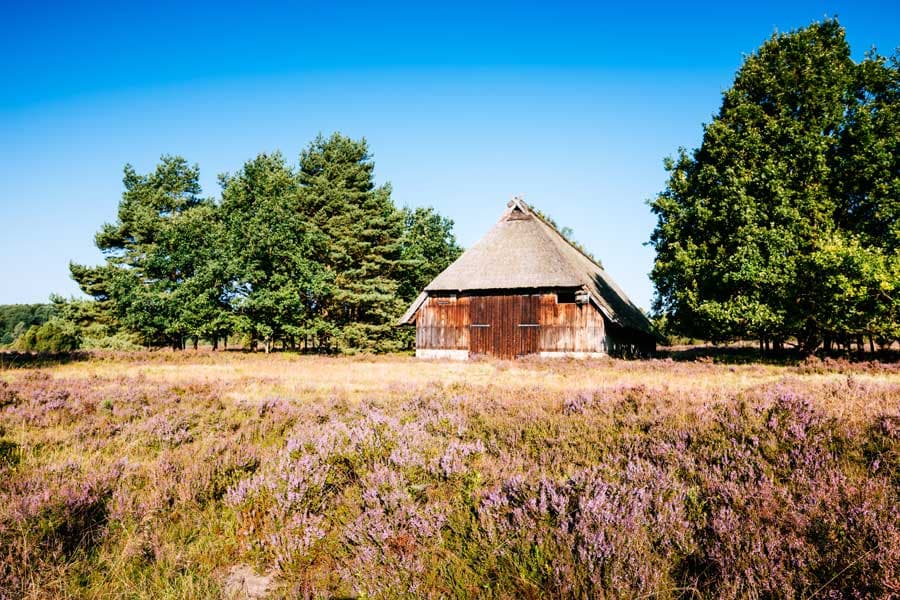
[505, 326]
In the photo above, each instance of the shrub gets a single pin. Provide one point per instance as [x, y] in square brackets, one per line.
[55, 335]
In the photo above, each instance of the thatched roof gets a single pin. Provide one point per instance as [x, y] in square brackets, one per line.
[523, 251]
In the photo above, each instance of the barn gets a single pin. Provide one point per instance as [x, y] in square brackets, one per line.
[524, 289]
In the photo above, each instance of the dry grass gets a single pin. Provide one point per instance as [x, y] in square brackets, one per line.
[255, 377]
[371, 374]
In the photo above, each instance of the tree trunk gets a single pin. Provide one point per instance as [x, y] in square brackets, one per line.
[809, 341]
[196, 342]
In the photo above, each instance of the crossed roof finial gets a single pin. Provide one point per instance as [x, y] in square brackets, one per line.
[517, 200]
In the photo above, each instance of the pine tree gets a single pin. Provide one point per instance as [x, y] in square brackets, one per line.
[363, 231]
[147, 261]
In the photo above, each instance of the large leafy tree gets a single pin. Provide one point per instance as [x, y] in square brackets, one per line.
[363, 230]
[866, 174]
[279, 288]
[857, 289]
[196, 240]
[754, 225]
[427, 247]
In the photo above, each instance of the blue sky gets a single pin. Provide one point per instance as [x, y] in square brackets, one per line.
[574, 106]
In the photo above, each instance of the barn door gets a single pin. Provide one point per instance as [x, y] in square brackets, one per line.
[504, 326]
[528, 337]
[481, 330]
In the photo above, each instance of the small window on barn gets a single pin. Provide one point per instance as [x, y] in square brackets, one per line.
[565, 297]
[445, 299]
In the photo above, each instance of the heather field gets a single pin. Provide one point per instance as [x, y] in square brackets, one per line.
[202, 475]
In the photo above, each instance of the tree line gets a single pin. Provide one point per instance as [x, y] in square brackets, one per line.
[312, 256]
[16, 319]
[784, 225]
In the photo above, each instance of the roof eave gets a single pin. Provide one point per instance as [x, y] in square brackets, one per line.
[409, 317]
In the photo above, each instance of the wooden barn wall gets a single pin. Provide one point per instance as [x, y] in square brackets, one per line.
[443, 323]
[570, 327]
[509, 325]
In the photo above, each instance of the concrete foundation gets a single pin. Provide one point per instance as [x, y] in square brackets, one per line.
[444, 354]
[433, 353]
[580, 355]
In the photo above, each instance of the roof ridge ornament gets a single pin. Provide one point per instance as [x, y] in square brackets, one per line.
[518, 201]
[517, 210]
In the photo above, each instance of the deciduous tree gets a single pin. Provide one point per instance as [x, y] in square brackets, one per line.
[792, 191]
[428, 246]
[278, 287]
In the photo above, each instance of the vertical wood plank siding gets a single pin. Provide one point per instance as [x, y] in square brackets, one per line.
[443, 323]
[509, 325]
[571, 327]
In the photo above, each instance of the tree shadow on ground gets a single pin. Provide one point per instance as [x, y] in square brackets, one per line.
[29, 360]
[742, 355]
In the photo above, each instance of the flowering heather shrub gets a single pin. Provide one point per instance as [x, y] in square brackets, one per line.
[455, 458]
[381, 458]
[156, 474]
[591, 535]
[280, 508]
[8, 395]
[169, 429]
[776, 514]
[48, 517]
[389, 540]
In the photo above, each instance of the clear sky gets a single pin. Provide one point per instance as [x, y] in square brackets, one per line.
[574, 106]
